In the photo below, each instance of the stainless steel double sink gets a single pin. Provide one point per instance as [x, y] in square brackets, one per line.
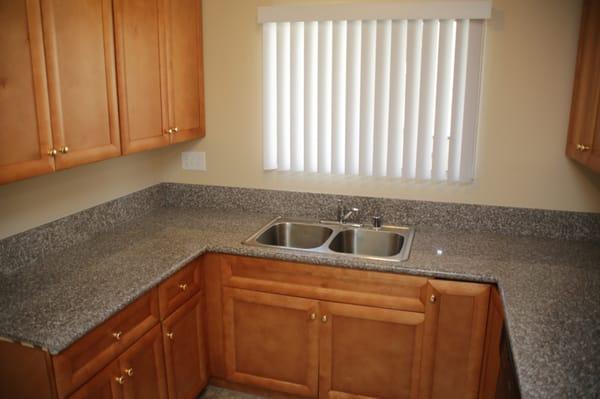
[390, 243]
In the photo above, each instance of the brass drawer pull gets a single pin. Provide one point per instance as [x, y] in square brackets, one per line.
[120, 379]
[433, 298]
[117, 335]
[583, 147]
[183, 286]
[170, 335]
[324, 318]
[129, 372]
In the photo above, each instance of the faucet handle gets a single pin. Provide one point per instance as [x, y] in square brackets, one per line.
[377, 221]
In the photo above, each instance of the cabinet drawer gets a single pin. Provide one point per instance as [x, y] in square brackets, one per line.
[180, 287]
[96, 349]
[357, 287]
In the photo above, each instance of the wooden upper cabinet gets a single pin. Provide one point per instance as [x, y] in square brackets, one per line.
[159, 64]
[80, 60]
[583, 143]
[271, 341]
[369, 352]
[143, 368]
[185, 351]
[142, 74]
[454, 339]
[185, 68]
[25, 134]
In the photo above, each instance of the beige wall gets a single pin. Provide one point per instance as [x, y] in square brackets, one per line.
[29, 203]
[529, 65]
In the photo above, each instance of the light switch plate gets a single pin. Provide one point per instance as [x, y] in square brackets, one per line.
[193, 160]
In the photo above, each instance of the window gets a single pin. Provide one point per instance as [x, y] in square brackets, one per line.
[373, 89]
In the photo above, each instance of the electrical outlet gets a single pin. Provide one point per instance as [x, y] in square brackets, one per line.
[193, 160]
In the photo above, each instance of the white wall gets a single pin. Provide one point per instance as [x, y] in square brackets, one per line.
[529, 65]
[32, 202]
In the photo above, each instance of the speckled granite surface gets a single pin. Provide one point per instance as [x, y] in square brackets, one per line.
[53, 237]
[441, 215]
[58, 235]
[550, 287]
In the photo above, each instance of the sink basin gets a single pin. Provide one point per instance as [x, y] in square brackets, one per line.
[295, 235]
[367, 242]
[391, 243]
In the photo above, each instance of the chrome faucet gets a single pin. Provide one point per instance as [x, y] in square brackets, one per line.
[343, 213]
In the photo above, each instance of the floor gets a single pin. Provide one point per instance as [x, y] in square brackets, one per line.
[221, 393]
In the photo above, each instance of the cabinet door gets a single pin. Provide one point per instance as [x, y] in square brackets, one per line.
[143, 367]
[186, 79]
[493, 337]
[25, 135]
[104, 385]
[141, 66]
[456, 315]
[81, 75]
[583, 143]
[271, 341]
[369, 352]
[185, 353]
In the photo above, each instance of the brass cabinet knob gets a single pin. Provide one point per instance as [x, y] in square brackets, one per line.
[117, 335]
[170, 130]
[129, 372]
[64, 149]
[120, 379]
[313, 316]
[52, 152]
[175, 130]
[170, 335]
[432, 298]
[183, 286]
[324, 318]
[583, 147]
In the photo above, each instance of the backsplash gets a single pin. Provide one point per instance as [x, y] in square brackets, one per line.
[447, 216]
[25, 248]
[53, 237]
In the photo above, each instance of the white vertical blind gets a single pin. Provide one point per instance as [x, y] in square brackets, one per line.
[353, 73]
[311, 31]
[367, 98]
[379, 97]
[382, 98]
[324, 116]
[413, 80]
[283, 96]
[397, 98]
[297, 96]
[338, 139]
[270, 95]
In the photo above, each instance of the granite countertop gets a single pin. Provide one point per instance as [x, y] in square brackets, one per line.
[550, 288]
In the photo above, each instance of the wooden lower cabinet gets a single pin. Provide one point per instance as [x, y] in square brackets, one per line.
[185, 351]
[142, 367]
[271, 341]
[138, 373]
[369, 352]
[455, 326]
[282, 344]
[102, 386]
